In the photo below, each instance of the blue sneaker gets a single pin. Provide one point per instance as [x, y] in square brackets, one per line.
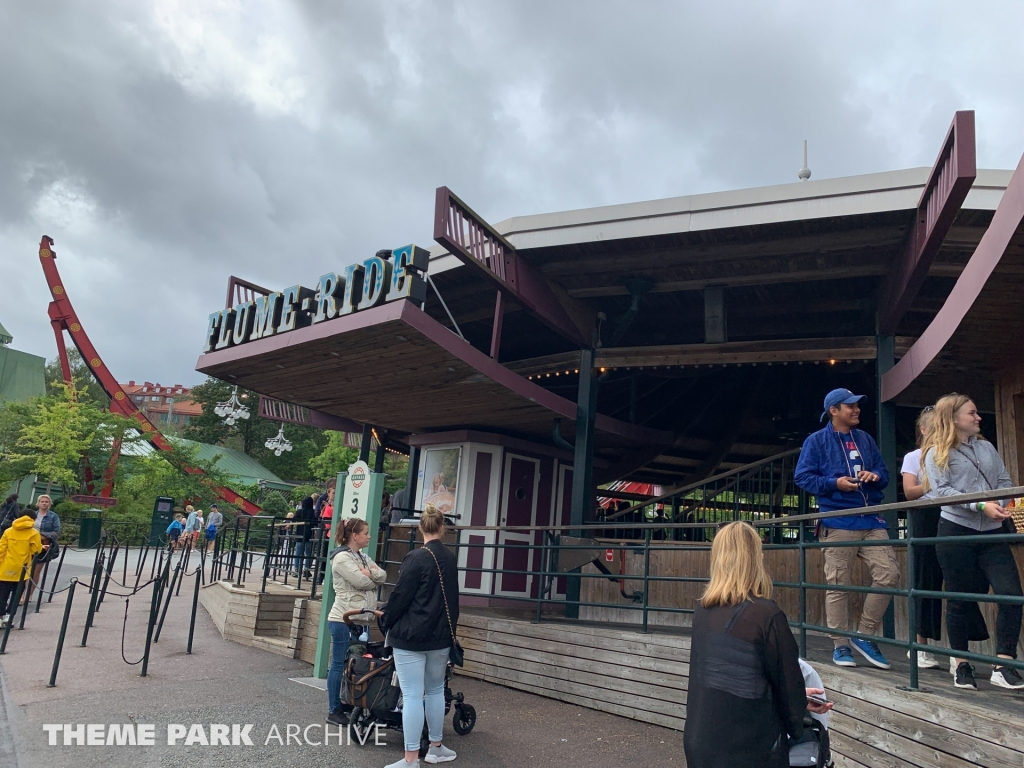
[843, 656]
[869, 650]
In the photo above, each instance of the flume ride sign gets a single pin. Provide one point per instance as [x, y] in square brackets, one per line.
[359, 286]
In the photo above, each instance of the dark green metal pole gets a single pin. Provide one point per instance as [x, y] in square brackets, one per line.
[583, 465]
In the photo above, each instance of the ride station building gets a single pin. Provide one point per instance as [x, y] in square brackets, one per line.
[525, 363]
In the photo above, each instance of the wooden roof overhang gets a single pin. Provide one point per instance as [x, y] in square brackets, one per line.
[396, 367]
[977, 326]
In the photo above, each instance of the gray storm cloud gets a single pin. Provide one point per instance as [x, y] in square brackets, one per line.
[166, 145]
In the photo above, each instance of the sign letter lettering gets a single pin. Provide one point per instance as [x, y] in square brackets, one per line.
[376, 277]
[405, 280]
[263, 324]
[326, 300]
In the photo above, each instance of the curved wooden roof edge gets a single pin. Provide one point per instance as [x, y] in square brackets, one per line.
[1007, 218]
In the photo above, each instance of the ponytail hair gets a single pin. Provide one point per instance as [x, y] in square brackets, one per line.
[431, 521]
[349, 528]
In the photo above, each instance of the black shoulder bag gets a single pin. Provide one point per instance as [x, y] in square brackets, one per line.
[455, 654]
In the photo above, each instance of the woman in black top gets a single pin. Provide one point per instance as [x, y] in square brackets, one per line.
[420, 618]
[746, 692]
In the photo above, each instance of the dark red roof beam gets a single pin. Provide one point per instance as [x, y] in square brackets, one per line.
[1008, 217]
[477, 244]
[947, 187]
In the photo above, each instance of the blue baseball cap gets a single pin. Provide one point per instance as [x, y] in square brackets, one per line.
[840, 397]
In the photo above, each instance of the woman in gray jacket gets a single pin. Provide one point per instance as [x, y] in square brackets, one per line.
[356, 578]
[958, 460]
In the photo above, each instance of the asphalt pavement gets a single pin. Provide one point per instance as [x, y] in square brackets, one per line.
[226, 684]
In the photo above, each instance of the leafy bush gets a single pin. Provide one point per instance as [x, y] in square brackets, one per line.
[275, 504]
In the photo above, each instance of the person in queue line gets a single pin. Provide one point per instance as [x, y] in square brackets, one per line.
[213, 526]
[399, 503]
[9, 512]
[19, 544]
[306, 521]
[48, 524]
[191, 525]
[747, 697]
[842, 466]
[327, 509]
[957, 460]
[420, 619]
[927, 571]
[356, 578]
[174, 530]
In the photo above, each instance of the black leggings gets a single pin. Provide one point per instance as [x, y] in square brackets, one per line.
[974, 568]
[6, 592]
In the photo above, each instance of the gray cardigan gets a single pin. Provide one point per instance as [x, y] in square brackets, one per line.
[963, 476]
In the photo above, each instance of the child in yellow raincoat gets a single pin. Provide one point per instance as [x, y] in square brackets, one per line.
[19, 544]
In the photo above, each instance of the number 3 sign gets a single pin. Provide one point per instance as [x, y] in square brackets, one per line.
[357, 491]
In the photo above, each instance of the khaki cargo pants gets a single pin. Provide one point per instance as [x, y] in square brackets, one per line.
[881, 564]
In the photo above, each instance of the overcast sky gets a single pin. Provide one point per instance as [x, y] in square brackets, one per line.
[167, 144]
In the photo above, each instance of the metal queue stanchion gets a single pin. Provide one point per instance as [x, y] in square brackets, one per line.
[63, 633]
[195, 605]
[94, 588]
[41, 587]
[14, 603]
[106, 579]
[56, 576]
[167, 602]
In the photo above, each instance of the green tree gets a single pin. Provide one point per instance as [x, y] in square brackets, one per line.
[89, 390]
[336, 457]
[59, 432]
[250, 435]
[13, 418]
[275, 504]
[166, 473]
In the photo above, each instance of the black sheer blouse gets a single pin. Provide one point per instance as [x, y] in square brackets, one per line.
[746, 691]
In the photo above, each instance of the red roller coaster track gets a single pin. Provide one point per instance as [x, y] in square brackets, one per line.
[63, 318]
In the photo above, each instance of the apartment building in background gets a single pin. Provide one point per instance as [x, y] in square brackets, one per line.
[163, 405]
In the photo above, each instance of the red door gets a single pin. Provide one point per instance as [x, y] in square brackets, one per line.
[519, 506]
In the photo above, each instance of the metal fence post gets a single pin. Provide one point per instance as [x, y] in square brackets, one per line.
[195, 604]
[63, 633]
[647, 574]
[803, 589]
[56, 576]
[911, 602]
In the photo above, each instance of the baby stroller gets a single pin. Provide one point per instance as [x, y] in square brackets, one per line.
[371, 695]
[813, 750]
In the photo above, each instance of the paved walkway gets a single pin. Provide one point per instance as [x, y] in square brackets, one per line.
[225, 683]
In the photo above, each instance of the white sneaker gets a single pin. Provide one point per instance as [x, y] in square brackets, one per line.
[925, 660]
[439, 754]
[5, 621]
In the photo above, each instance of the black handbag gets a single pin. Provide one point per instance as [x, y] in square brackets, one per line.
[455, 654]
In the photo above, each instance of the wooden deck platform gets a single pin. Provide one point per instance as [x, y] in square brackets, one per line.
[618, 670]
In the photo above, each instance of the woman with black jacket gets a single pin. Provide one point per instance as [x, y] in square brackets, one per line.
[420, 618]
[746, 696]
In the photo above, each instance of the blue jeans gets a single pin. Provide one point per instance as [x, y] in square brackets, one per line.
[302, 547]
[421, 677]
[340, 637]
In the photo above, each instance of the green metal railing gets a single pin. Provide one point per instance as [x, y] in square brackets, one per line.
[797, 535]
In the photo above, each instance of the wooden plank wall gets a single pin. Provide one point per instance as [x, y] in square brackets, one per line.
[783, 566]
[645, 677]
[1010, 429]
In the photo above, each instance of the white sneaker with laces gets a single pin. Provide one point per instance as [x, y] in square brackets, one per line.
[925, 660]
[439, 754]
[4, 621]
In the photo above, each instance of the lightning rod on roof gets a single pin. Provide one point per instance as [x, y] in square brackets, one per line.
[805, 172]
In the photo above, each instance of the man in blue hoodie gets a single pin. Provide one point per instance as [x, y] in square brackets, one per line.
[843, 467]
